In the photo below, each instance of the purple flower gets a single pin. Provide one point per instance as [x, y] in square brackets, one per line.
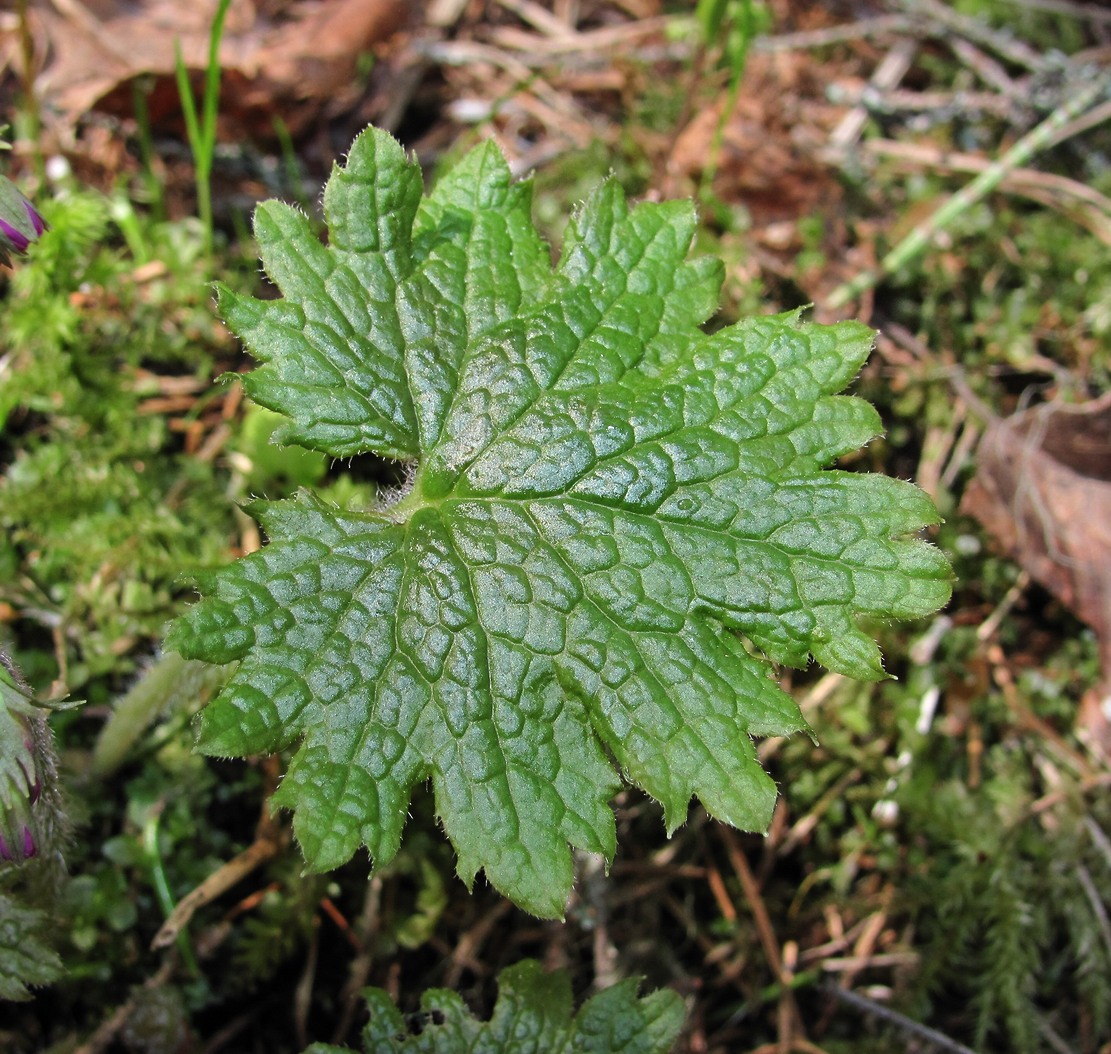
[23, 849]
[26, 757]
[20, 223]
[19, 240]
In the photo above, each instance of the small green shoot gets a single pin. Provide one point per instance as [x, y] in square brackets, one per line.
[202, 131]
[734, 24]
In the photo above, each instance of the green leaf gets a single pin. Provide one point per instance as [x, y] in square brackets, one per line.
[533, 1015]
[26, 959]
[603, 504]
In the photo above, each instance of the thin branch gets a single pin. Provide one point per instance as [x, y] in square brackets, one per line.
[1080, 202]
[789, 1019]
[105, 1034]
[939, 17]
[888, 75]
[984, 66]
[969, 195]
[1054, 1040]
[1092, 119]
[1089, 12]
[265, 846]
[1098, 836]
[893, 1017]
[1099, 909]
[881, 25]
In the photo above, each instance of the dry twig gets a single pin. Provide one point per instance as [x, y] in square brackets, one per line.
[788, 1018]
[893, 1017]
[102, 1038]
[980, 187]
[1079, 201]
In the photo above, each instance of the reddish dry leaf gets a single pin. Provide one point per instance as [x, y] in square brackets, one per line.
[1043, 489]
[769, 145]
[94, 48]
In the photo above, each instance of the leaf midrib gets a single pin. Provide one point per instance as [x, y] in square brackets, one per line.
[558, 282]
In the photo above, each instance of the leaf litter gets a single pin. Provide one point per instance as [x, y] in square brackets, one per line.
[544, 92]
[1042, 489]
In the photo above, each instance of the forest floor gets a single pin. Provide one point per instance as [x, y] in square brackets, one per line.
[938, 872]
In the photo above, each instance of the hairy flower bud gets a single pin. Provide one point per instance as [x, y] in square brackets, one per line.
[26, 764]
[20, 223]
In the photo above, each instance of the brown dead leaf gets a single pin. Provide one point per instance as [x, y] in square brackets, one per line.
[90, 50]
[769, 146]
[1043, 489]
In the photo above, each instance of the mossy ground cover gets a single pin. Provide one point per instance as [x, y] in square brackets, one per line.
[941, 852]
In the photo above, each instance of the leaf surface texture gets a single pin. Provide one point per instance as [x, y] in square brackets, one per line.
[533, 1015]
[605, 504]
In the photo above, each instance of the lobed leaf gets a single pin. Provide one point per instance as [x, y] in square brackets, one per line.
[533, 1015]
[26, 958]
[605, 504]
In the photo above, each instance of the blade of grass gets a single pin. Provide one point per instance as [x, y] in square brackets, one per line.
[162, 885]
[739, 25]
[140, 92]
[293, 174]
[202, 131]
